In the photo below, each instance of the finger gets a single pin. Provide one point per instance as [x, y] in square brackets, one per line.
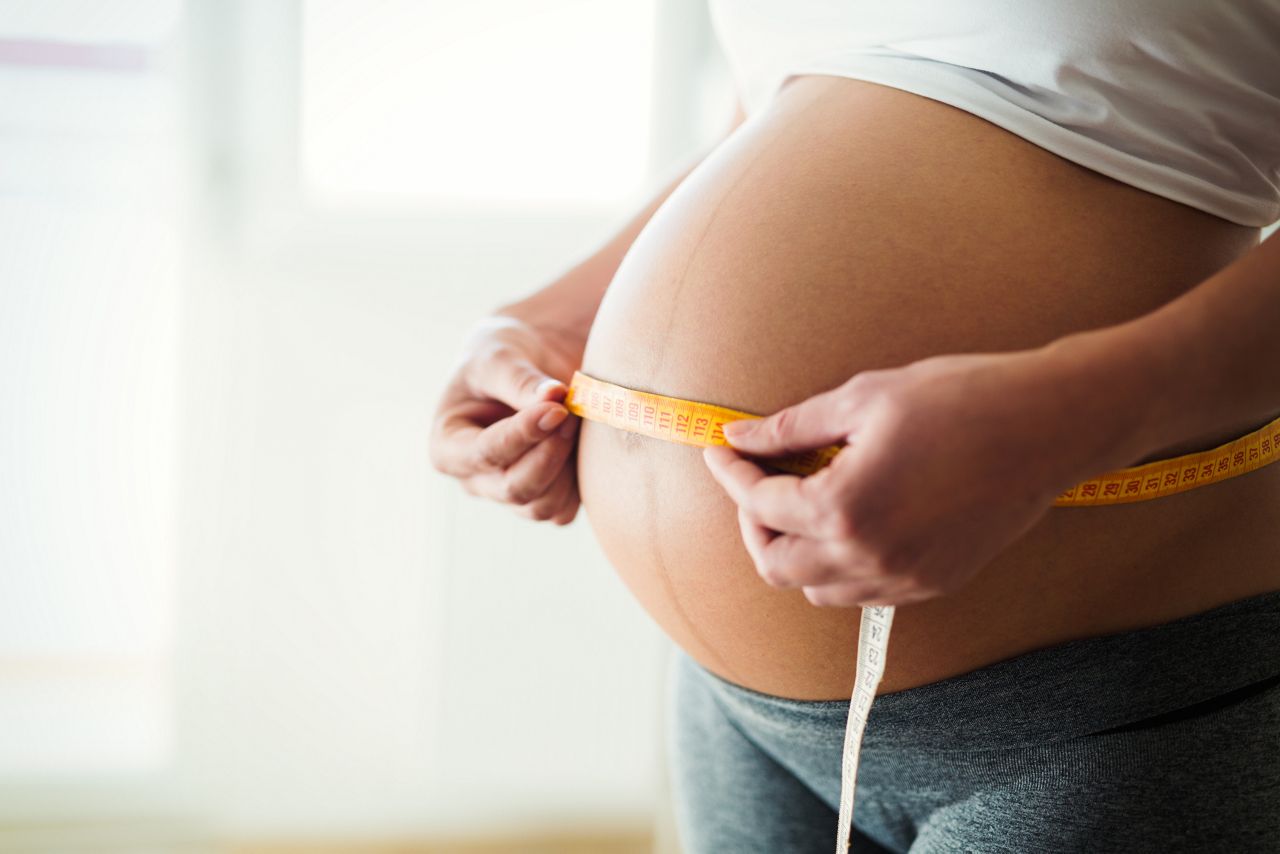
[814, 423]
[846, 595]
[867, 593]
[454, 431]
[895, 599]
[532, 474]
[792, 505]
[507, 376]
[502, 443]
[569, 429]
[500, 485]
[551, 502]
[755, 538]
[573, 500]
[791, 561]
[736, 474]
[566, 517]
[782, 502]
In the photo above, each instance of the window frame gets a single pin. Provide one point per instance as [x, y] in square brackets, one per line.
[246, 120]
[237, 65]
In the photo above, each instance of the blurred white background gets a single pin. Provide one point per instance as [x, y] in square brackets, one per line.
[242, 241]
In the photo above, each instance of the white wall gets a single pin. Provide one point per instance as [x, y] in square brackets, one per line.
[365, 646]
[214, 409]
[89, 281]
[232, 589]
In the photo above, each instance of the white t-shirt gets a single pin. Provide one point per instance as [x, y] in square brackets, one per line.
[1178, 97]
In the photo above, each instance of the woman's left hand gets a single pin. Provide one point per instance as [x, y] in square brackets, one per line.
[948, 460]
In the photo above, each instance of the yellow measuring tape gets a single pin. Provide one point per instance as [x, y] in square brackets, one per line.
[692, 422]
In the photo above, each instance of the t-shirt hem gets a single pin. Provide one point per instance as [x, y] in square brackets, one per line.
[965, 95]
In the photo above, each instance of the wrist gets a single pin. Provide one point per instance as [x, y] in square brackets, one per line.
[1114, 387]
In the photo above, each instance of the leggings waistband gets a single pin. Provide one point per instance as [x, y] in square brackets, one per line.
[1061, 691]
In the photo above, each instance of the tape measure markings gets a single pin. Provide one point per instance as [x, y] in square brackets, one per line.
[694, 423]
[689, 422]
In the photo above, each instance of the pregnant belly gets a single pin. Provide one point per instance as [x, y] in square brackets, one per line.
[851, 226]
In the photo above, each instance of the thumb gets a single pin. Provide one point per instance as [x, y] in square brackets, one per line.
[517, 382]
[814, 423]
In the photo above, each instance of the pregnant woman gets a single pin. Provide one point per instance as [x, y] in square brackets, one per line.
[995, 248]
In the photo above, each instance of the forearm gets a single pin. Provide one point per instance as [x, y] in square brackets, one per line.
[1206, 361]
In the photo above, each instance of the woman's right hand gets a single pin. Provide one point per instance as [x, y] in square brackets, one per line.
[501, 427]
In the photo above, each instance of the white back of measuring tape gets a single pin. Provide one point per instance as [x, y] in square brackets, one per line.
[873, 648]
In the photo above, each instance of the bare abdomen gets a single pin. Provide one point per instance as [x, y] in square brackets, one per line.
[852, 226]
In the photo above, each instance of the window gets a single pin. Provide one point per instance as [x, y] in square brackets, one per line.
[530, 104]
[88, 359]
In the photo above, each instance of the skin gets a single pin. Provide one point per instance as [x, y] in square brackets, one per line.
[828, 534]
[514, 371]
[787, 273]
[905, 512]
[500, 426]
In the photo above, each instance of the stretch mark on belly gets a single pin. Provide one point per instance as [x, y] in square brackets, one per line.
[654, 532]
[673, 306]
[652, 504]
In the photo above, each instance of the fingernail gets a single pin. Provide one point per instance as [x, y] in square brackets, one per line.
[737, 429]
[548, 422]
[546, 386]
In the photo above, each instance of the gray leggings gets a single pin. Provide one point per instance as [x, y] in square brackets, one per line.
[1164, 739]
